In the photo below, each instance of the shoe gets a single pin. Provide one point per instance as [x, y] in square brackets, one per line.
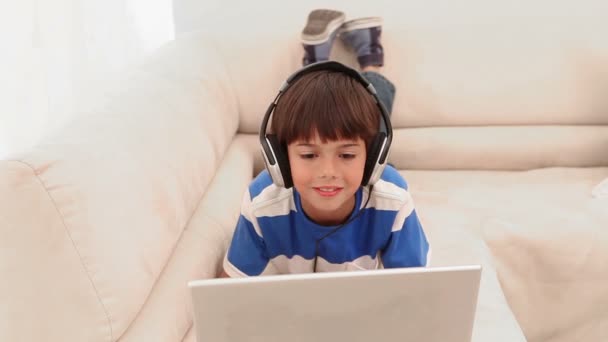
[319, 33]
[363, 36]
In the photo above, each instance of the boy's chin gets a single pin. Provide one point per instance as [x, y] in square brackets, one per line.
[330, 207]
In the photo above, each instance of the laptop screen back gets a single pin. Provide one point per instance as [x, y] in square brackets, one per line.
[409, 304]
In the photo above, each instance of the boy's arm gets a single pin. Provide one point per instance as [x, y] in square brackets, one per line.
[408, 245]
[246, 254]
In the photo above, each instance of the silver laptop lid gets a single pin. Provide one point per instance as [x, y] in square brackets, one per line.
[408, 304]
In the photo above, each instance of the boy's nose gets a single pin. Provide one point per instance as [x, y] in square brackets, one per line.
[327, 170]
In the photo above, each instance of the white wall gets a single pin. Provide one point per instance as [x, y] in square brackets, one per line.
[192, 15]
[188, 14]
[58, 56]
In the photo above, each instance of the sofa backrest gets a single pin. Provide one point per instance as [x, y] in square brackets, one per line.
[480, 85]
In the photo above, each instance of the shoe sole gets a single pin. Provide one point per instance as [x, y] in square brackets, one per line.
[320, 25]
[361, 23]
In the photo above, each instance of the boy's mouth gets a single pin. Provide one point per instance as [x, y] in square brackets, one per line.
[327, 191]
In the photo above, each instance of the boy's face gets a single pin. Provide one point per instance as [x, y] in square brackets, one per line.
[327, 175]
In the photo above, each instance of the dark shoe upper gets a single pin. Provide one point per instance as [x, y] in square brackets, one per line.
[362, 35]
[319, 33]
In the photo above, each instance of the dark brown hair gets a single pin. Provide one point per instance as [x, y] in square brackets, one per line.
[329, 103]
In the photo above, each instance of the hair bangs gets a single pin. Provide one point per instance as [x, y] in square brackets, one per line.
[329, 104]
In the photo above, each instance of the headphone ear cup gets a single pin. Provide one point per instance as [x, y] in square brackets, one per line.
[282, 159]
[373, 156]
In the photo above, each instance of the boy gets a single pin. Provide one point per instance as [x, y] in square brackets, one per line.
[328, 212]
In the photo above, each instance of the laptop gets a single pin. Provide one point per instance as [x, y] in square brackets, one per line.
[435, 304]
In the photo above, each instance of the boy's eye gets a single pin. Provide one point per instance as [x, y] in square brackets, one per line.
[347, 155]
[307, 155]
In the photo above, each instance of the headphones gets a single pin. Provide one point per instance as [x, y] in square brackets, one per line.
[275, 154]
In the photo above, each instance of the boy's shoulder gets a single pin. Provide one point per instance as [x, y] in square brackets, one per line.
[392, 176]
[392, 187]
[262, 190]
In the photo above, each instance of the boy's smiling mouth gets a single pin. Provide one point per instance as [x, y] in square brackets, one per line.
[327, 191]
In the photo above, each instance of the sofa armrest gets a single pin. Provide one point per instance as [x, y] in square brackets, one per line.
[199, 252]
[41, 268]
[117, 188]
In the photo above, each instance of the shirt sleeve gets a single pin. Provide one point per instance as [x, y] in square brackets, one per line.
[246, 254]
[408, 245]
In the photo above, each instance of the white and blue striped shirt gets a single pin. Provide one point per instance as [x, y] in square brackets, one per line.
[274, 236]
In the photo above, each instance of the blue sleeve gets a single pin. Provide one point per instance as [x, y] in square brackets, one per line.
[247, 252]
[408, 246]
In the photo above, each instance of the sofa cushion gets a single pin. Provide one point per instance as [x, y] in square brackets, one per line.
[452, 245]
[545, 235]
[601, 190]
[554, 271]
[499, 147]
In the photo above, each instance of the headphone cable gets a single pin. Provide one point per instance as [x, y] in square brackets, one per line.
[334, 230]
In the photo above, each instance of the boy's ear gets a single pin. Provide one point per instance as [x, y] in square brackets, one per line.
[281, 171]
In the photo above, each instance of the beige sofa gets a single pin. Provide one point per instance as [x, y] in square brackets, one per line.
[501, 129]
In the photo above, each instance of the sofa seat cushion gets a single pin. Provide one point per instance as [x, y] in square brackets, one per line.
[546, 236]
